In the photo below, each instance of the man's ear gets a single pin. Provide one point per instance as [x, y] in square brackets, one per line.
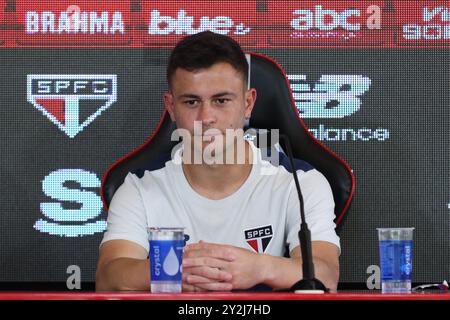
[168, 104]
[250, 99]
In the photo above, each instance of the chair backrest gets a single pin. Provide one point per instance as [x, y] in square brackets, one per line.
[274, 109]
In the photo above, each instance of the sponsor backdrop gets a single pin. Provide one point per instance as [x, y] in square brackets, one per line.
[81, 85]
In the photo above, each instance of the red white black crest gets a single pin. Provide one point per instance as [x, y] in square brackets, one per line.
[259, 238]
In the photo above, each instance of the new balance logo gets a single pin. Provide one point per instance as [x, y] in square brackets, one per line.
[71, 101]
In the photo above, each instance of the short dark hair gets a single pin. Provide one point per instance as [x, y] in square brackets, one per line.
[204, 49]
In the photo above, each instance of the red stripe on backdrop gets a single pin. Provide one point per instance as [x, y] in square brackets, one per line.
[254, 24]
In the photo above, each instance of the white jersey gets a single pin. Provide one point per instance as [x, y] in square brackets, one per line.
[263, 215]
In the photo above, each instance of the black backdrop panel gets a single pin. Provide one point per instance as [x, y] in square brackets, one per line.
[383, 110]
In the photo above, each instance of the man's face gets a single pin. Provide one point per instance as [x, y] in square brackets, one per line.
[215, 98]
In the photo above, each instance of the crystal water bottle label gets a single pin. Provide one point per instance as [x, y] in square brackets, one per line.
[396, 259]
[165, 260]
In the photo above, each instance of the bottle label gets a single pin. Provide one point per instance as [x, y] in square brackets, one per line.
[396, 259]
[166, 258]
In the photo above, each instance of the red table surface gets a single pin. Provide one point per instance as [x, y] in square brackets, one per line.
[218, 296]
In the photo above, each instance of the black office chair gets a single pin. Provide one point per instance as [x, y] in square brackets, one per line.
[274, 109]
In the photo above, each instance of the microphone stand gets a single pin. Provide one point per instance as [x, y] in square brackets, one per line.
[309, 284]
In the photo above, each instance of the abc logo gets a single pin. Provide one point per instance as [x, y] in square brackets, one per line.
[324, 19]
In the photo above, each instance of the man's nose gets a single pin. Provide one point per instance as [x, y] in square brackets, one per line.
[206, 114]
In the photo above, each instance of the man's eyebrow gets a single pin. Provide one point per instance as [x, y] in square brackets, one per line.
[217, 95]
[188, 95]
[225, 93]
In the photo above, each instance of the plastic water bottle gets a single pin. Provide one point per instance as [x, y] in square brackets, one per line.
[395, 259]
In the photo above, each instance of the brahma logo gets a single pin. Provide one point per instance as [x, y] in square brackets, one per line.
[73, 22]
[184, 24]
[71, 101]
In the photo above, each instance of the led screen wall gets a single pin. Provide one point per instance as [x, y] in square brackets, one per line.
[81, 85]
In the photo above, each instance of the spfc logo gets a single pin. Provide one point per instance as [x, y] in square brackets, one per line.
[259, 238]
[72, 101]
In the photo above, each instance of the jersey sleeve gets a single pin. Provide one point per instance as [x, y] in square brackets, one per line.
[127, 218]
[319, 209]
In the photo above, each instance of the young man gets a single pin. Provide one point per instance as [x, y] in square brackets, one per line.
[217, 201]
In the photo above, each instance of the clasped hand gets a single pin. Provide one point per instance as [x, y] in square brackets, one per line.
[218, 267]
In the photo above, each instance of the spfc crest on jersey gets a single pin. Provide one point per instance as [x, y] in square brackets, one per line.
[259, 238]
[71, 101]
